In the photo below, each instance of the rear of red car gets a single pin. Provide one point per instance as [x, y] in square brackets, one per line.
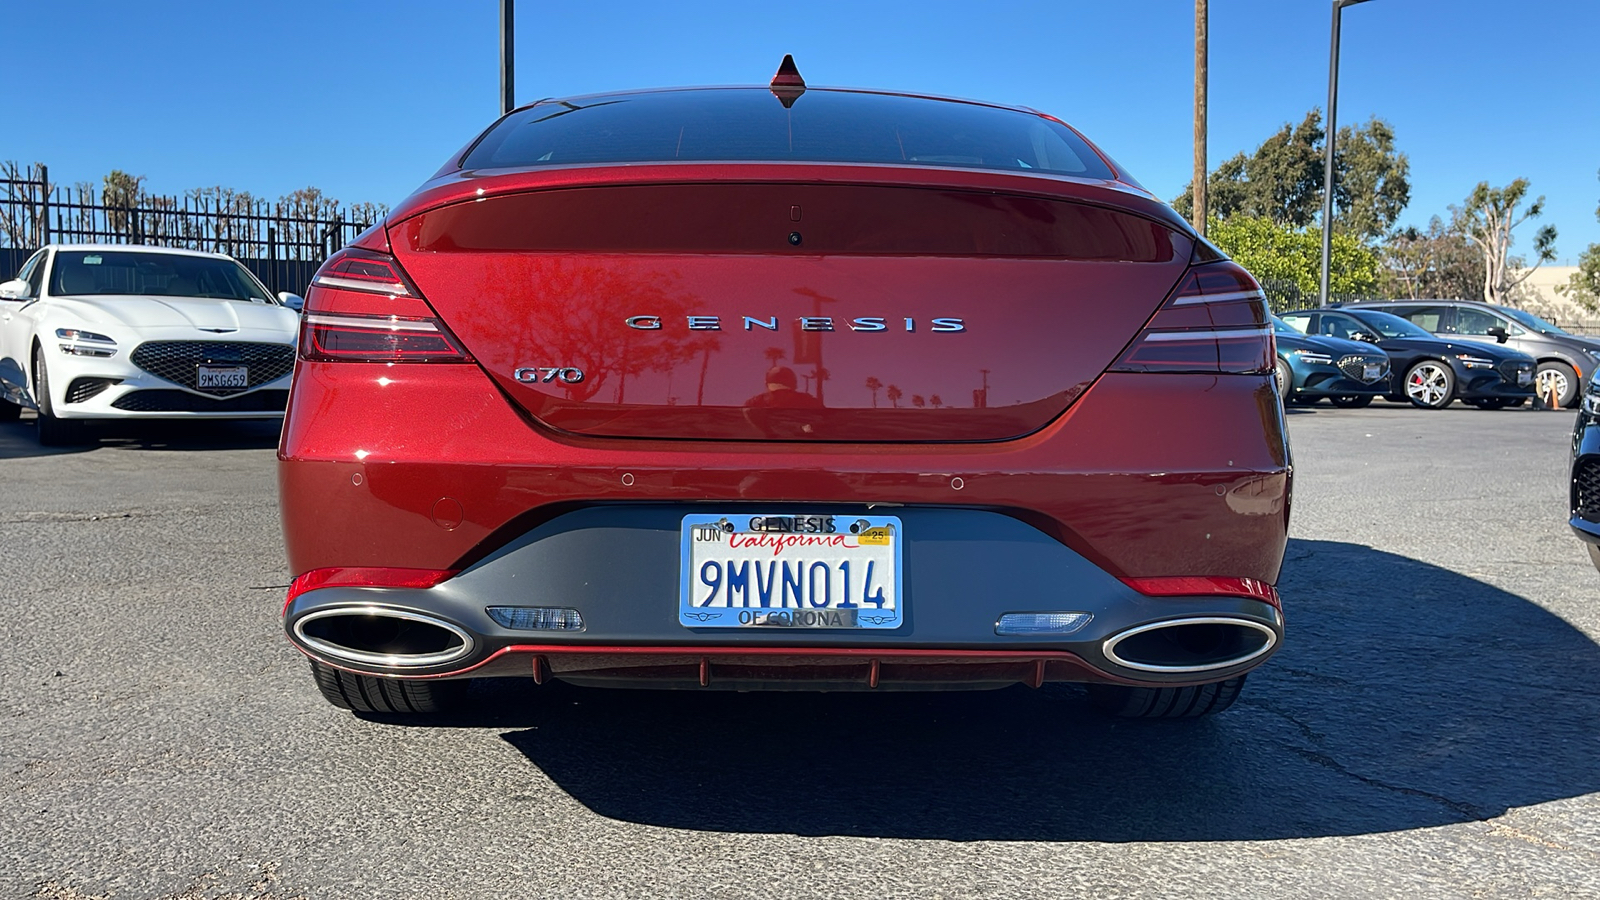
[830, 389]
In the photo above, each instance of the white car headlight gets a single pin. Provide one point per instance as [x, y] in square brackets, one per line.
[1475, 362]
[1312, 356]
[86, 343]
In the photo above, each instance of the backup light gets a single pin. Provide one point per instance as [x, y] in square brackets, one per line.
[537, 618]
[1042, 623]
[1216, 321]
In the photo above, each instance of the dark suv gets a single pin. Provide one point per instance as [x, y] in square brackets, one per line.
[1565, 360]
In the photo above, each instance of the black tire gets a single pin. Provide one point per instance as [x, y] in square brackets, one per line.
[1353, 401]
[1551, 372]
[53, 431]
[9, 412]
[1166, 702]
[1285, 377]
[1490, 403]
[371, 694]
[1594, 556]
[1430, 384]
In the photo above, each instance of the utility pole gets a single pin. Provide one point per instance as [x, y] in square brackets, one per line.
[507, 48]
[1200, 77]
[1330, 137]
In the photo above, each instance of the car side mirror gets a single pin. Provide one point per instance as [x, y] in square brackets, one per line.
[293, 301]
[15, 289]
[1499, 334]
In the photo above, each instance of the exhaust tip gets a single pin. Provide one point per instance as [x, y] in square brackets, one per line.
[382, 636]
[1191, 645]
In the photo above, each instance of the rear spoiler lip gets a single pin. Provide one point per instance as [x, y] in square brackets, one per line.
[474, 184]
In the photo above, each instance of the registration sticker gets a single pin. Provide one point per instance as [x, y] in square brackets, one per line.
[779, 570]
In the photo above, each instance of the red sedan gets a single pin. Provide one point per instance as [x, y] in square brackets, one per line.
[776, 387]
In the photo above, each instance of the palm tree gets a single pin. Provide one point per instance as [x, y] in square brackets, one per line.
[773, 354]
[894, 395]
[872, 385]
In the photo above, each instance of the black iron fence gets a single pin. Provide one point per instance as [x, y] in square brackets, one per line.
[282, 241]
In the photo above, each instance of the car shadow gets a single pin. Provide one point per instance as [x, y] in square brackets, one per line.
[1406, 696]
[19, 439]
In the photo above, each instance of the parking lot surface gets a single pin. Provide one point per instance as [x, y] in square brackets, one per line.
[1431, 727]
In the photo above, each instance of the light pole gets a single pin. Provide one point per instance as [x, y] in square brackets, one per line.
[507, 47]
[1328, 142]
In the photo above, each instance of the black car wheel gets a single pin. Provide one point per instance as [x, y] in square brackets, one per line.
[1353, 401]
[1560, 378]
[1430, 384]
[1488, 403]
[1285, 380]
[53, 431]
[1166, 702]
[371, 694]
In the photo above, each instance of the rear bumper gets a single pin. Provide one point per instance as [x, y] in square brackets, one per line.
[619, 567]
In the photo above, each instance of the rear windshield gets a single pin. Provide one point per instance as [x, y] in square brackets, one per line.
[751, 124]
[84, 272]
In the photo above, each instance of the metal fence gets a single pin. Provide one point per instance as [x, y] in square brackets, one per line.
[277, 240]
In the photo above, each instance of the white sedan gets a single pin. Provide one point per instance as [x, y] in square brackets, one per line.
[122, 331]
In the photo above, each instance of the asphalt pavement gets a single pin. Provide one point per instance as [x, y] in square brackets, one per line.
[1430, 729]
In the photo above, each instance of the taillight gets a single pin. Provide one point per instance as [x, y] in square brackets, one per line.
[361, 308]
[1216, 321]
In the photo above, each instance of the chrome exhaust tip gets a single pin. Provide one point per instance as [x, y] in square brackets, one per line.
[1200, 644]
[382, 636]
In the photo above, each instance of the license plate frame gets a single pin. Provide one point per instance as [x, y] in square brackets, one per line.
[1369, 372]
[208, 377]
[1524, 377]
[868, 597]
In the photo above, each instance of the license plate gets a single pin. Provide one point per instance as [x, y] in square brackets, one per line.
[1524, 377]
[1369, 373]
[223, 377]
[776, 570]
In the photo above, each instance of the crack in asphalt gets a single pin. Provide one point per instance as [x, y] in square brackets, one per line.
[1467, 811]
[35, 518]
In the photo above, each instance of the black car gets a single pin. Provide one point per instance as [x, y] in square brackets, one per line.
[1585, 481]
[1429, 372]
[1564, 360]
[1349, 373]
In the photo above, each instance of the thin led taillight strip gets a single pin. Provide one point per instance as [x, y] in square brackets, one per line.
[1218, 298]
[1206, 335]
[375, 323]
[357, 284]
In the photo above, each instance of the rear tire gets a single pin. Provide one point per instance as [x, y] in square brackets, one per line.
[1430, 384]
[1166, 702]
[53, 431]
[1285, 378]
[371, 694]
[1353, 401]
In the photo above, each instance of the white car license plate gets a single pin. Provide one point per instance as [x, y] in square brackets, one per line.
[223, 377]
[775, 570]
[1524, 377]
[1369, 372]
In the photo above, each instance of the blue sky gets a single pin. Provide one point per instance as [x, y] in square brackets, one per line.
[366, 99]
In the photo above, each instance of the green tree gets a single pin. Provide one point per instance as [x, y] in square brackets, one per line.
[1281, 180]
[1289, 260]
[1583, 286]
[1487, 218]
